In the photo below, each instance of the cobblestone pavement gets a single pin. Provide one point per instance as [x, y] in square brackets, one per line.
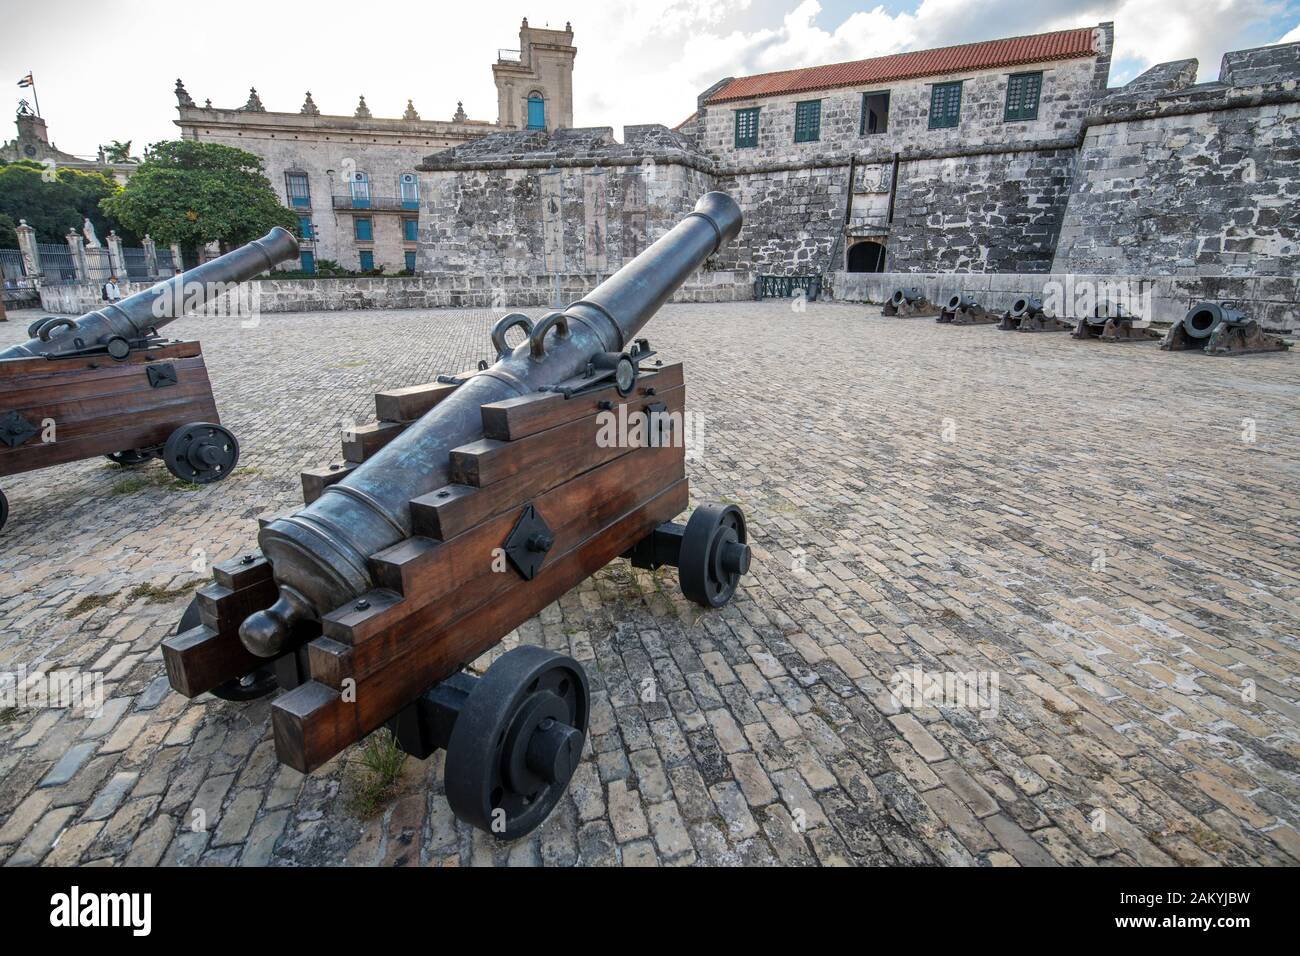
[1093, 526]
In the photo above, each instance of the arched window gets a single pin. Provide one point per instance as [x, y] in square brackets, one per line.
[536, 111]
[409, 186]
[359, 185]
[867, 256]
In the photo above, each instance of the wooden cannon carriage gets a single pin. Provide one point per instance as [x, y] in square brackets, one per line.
[516, 482]
[107, 384]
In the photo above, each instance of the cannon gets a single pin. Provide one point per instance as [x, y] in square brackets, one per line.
[1109, 323]
[469, 505]
[961, 310]
[1028, 315]
[1220, 329]
[108, 384]
[909, 302]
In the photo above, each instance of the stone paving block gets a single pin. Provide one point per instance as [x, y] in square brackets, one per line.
[1120, 688]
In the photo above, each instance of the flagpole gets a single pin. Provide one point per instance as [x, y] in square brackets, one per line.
[34, 96]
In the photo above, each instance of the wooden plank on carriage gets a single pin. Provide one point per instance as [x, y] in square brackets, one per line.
[200, 659]
[313, 722]
[409, 403]
[487, 461]
[364, 440]
[316, 480]
[43, 370]
[452, 509]
[472, 566]
[243, 571]
[524, 415]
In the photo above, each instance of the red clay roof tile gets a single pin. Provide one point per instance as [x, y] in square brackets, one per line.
[989, 54]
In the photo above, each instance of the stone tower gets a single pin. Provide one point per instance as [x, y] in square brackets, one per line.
[543, 72]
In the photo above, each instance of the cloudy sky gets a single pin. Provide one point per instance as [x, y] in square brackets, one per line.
[106, 71]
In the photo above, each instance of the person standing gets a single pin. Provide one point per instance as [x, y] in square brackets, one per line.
[111, 292]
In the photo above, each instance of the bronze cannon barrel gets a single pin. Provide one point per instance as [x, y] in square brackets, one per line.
[136, 316]
[319, 556]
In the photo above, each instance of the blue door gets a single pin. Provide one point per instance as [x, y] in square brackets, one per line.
[536, 112]
[307, 262]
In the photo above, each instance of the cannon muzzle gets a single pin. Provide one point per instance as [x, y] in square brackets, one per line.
[137, 316]
[320, 556]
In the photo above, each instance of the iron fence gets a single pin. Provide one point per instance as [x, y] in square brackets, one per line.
[782, 287]
[19, 289]
[56, 263]
[137, 266]
[381, 203]
[166, 267]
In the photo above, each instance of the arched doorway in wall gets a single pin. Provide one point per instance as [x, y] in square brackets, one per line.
[866, 256]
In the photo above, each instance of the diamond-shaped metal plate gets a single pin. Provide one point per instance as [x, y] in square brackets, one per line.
[14, 429]
[161, 375]
[528, 543]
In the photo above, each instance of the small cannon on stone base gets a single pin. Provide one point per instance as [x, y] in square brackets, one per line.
[472, 504]
[107, 384]
[910, 303]
[1110, 324]
[963, 311]
[1220, 329]
[1028, 315]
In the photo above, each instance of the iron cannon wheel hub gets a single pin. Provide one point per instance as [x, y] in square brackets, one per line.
[714, 554]
[517, 741]
[201, 453]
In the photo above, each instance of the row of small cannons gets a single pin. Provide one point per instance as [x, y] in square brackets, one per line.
[1214, 328]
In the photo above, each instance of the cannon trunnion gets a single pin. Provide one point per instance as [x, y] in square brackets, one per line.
[107, 384]
[515, 494]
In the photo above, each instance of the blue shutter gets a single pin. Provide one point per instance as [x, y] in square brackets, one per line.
[536, 112]
[367, 260]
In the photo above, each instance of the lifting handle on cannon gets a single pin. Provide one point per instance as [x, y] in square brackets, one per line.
[504, 325]
[537, 340]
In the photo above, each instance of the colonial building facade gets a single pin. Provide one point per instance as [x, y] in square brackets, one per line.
[352, 180]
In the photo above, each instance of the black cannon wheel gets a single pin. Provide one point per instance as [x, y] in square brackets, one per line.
[131, 458]
[201, 453]
[714, 554]
[4, 510]
[517, 741]
[249, 687]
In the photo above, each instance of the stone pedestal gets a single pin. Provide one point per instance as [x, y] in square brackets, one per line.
[117, 261]
[31, 255]
[77, 246]
[150, 256]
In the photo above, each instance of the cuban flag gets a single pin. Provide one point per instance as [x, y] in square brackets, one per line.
[26, 81]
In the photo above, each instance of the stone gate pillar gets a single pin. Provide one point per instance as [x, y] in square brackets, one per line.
[31, 255]
[116, 261]
[150, 256]
[178, 264]
[77, 246]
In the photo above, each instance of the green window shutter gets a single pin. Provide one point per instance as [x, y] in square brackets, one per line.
[945, 105]
[1023, 91]
[808, 121]
[362, 229]
[367, 260]
[746, 127]
[410, 230]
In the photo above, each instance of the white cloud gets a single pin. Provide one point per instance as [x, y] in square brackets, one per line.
[637, 62]
[1292, 37]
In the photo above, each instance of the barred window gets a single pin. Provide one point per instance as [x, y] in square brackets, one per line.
[808, 121]
[295, 184]
[945, 105]
[1022, 96]
[746, 127]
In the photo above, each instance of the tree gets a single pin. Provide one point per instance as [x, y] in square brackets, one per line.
[119, 152]
[8, 232]
[196, 193]
[56, 200]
